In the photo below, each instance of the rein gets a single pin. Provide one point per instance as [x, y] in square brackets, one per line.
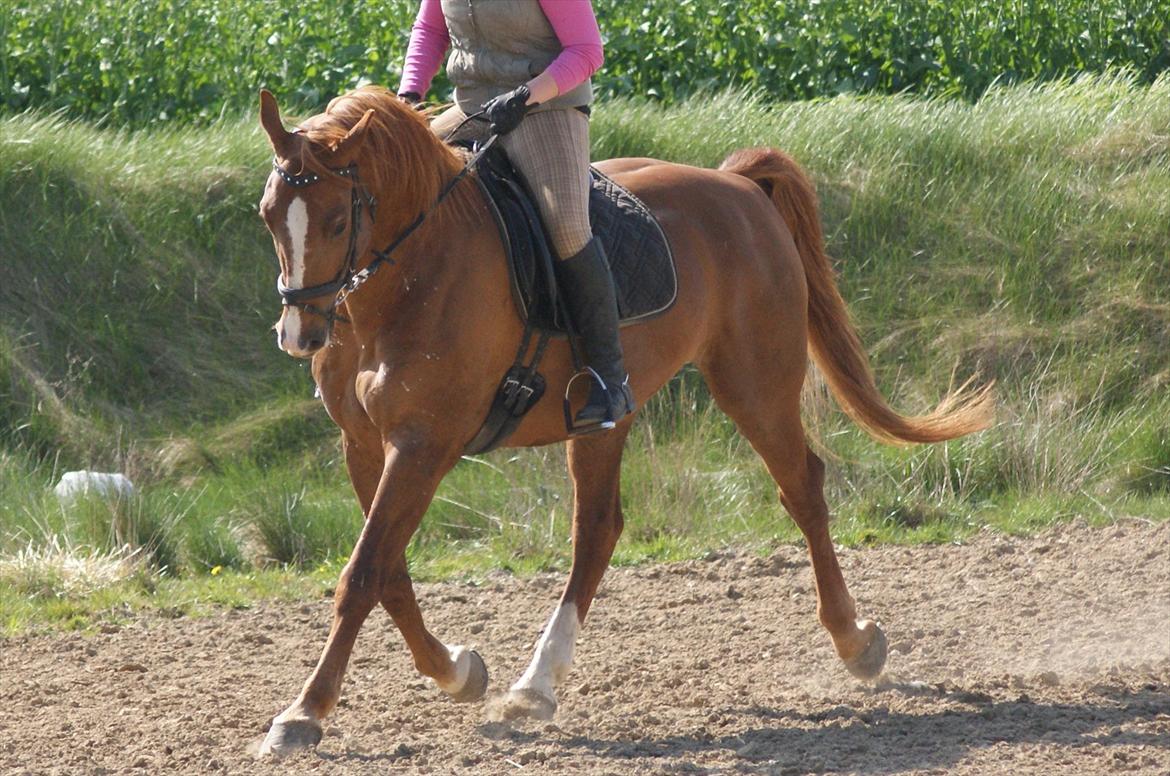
[349, 279]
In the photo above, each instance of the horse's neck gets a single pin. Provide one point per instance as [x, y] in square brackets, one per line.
[445, 274]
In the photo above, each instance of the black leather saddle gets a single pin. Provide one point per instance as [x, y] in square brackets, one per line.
[635, 245]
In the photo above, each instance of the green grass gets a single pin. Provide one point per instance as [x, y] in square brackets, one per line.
[1021, 237]
[39, 597]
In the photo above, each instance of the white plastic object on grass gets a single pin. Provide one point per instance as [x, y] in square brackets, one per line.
[75, 485]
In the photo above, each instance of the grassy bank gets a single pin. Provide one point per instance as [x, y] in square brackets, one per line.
[1021, 237]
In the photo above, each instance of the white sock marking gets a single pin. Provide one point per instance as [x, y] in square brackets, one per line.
[461, 656]
[554, 653]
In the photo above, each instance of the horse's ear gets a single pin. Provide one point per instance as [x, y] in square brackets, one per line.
[347, 147]
[280, 137]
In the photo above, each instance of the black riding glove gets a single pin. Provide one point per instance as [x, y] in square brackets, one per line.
[413, 99]
[506, 111]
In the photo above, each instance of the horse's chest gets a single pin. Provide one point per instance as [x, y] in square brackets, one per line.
[383, 389]
[371, 384]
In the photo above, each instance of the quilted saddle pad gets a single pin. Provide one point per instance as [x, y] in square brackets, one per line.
[637, 249]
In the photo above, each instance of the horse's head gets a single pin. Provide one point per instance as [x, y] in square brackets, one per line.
[309, 207]
[319, 202]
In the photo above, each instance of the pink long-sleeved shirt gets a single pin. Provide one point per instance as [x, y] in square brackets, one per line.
[572, 20]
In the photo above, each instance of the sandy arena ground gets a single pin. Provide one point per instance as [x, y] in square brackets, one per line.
[1048, 655]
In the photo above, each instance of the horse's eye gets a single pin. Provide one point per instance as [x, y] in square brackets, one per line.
[338, 228]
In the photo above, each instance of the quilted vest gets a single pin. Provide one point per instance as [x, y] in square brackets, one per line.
[497, 45]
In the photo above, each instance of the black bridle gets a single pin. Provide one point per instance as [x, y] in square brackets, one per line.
[349, 278]
[298, 297]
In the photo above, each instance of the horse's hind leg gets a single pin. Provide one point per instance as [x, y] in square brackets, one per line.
[764, 402]
[595, 466]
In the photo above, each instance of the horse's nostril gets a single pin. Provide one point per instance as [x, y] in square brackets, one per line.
[309, 344]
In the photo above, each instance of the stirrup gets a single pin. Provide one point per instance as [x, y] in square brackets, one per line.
[576, 429]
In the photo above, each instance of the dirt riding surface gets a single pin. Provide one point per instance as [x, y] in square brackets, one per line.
[1042, 655]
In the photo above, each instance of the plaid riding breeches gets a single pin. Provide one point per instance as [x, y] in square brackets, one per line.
[551, 150]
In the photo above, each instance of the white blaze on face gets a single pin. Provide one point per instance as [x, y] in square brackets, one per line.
[554, 653]
[297, 223]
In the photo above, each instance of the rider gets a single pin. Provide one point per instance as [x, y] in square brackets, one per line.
[526, 64]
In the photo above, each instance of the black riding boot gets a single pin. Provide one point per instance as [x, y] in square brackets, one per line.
[588, 290]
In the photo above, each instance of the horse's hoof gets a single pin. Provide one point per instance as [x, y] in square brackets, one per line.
[870, 662]
[290, 736]
[477, 680]
[521, 703]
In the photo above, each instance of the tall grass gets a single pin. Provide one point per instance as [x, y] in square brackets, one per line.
[1021, 237]
[1000, 232]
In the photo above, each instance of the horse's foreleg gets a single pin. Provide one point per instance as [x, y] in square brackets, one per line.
[458, 671]
[408, 483]
[365, 461]
[595, 466]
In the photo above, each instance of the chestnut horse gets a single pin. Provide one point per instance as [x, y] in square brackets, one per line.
[409, 363]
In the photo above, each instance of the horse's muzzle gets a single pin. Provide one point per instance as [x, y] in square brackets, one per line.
[298, 337]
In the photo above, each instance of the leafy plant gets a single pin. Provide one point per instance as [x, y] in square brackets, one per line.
[142, 62]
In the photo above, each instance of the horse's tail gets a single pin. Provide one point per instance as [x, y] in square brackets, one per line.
[836, 348]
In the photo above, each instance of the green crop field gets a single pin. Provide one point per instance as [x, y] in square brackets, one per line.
[993, 182]
[130, 61]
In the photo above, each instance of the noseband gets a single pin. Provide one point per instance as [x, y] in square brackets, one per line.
[350, 278]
